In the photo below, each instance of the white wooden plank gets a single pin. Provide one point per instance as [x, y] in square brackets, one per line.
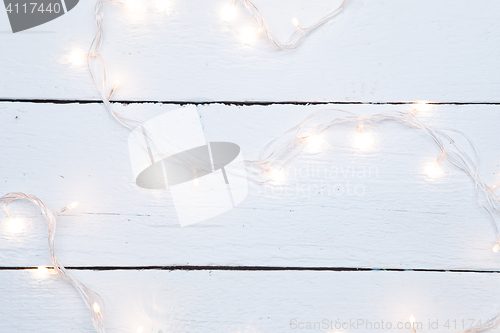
[374, 51]
[404, 219]
[229, 301]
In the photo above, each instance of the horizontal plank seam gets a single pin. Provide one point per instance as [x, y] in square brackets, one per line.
[245, 103]
[256, 268]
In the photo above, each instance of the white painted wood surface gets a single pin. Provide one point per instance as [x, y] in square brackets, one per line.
[384, 50]
[397, 217]
[228, 301]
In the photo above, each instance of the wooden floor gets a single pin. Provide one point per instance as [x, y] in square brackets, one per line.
[351, 237]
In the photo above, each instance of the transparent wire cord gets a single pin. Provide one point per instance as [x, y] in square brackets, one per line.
[93, 301]
[298, 36]
[281, 151]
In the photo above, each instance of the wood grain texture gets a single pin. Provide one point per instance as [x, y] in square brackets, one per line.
[401, 219]
[384, 50]
[205, 301]
[341, 208]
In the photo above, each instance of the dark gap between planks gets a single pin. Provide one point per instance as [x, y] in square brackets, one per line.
[244, 103]
[255, 268]
[244, 268]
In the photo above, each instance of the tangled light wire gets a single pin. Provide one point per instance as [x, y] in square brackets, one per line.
[275, 155]
[97, 67]
[90, 297]
[282, 150]
[299, 35]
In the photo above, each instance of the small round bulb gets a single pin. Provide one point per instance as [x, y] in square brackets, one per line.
[296, 23]
[42, 271]
[361, 127]
[163, 5]
[15, 225]
[248, 34]
[76, 57]
[132, 5]
[315, 143]
[433, 170]
[421, 106]
[496, 248]
[73, 205]
[363, 141]
[228, 13]
[277, 176]
[97, 308]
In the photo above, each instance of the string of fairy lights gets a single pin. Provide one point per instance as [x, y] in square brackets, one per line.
[93, 301]
[278, 153]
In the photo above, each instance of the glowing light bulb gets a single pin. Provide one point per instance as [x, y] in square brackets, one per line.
[117, 82]
[363, 141]
[73, 205]
[42, 271]
[68, 207]
[277, 176]
[315, 143]
[76, 57]
[228, 13]
[296, 23]
[361, 127]
[163, 5]
[137, 10]
[14, 225]
[413, 326]
[140, 330]
[433, 170]
[421, 106]
[496, 248]
[248, 34]
[133, 5]
[97, 308]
